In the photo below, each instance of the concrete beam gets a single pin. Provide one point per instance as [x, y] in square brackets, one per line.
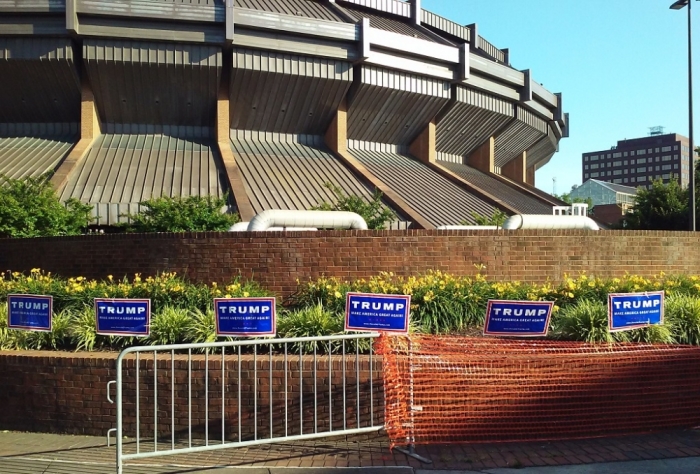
[89, 130]
[223, 141]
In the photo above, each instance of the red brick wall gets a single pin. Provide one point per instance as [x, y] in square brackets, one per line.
[276, 259]
[67, 393]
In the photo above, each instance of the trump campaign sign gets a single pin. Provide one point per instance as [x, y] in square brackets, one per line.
[373, 312]
[29, 312]
[245, 316]
[123, 317]
[635, 310]
[517, 318]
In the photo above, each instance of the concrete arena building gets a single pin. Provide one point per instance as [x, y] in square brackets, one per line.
[267, 100]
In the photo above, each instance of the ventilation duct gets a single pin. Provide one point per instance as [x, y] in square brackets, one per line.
[546, 221]
[306, 219]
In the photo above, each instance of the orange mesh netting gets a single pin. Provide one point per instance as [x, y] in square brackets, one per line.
[468, 390]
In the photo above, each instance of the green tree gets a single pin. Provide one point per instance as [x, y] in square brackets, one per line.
[178, 214]
[662, 207]
[29, 207]
[374, 212]
[497, 218]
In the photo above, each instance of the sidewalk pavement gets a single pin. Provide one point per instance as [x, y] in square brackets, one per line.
[668, 452]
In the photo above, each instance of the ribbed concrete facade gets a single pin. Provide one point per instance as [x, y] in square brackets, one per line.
[269, 101]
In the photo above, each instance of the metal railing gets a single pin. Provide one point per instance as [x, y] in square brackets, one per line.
[187, 398]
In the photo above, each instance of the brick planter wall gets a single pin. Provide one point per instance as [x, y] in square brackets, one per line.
[67, 393]
[276, 259]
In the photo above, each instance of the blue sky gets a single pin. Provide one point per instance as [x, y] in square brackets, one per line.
[621, 65]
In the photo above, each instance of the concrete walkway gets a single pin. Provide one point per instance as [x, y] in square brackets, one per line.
[672, 452]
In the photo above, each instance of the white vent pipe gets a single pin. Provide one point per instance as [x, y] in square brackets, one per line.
[243, 227]
[317, 219]
[547, 221]
[239, 227]
[467, 227]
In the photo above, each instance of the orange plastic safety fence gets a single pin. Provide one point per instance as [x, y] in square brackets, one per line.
[442, 389]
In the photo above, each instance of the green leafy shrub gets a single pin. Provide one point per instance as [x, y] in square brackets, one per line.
[29, 207]
[374, 212]
[170, 326]
[202, 326]
[311, 321]
[181, 214]
[682, 314]
[586, 321]
[60, 336]
[497, 218]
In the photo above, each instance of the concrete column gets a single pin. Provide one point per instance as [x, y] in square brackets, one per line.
[483, 157]
[223, 141]
[89, 130]
[337, 133]
[516, 169]
[530, 178]
[423, 147]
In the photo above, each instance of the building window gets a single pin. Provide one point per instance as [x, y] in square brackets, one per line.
[617, 172]
[666, 158]
[675, 147]
[585, 167]
[632, 153]
[665, 176]
[666, 148]
[641, 161]
[625, 180]
[675, 166]
[633, 179]
[657, 168]
[594, 175]
[617, 163]
[650, 151]
[594, 157]
[624, 154]
[594, 166]
[585, 158]
[666, 167]
[617, 154]
[585, 176]
[642, 170]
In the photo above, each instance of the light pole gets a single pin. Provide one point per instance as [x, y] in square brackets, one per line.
[677, 5]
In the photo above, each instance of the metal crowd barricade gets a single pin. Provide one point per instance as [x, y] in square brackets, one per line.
[189, 398]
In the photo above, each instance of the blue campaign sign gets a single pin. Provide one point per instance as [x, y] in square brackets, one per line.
[372, 312]
[635, 310]
[245, 316]
[123, 317]
[30, 312]
[517, 318]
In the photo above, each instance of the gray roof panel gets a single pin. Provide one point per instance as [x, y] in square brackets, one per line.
[523, 203]
[22, 157]
[39, 81]
[435, 197]
[303, 8]
[393, 107]
[153, 83]
[388, 23]
[284, 93]
[122, 170]
[282, 171]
